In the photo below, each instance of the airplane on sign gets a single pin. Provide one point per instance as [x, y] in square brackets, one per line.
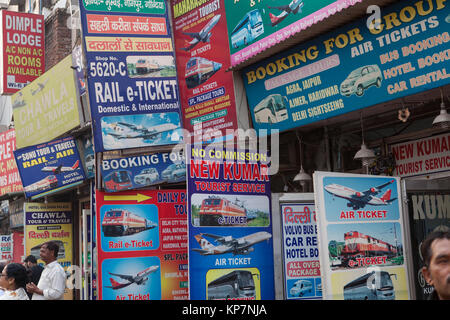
[140, 278]
[228, 244]
[60, 168]
[358, 200]
[203, 35]
[294, 7]
[130, 131]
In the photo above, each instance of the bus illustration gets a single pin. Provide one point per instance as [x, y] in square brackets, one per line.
[118, 180]
[238, 285]
[301, 287]
[215, 211]
[376, 285]
[248, 29]
[272, 109]
[117, 222]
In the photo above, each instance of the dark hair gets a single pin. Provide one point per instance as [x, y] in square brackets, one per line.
[19, 273]
[52, 246]
[31, 259]
[425, 248]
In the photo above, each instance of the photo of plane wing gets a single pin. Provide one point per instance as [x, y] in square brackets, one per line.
[228, 244]
[60, 168]
[140, 278]
[203, 36]
[123, 130]
[357, 199]
[293, 7]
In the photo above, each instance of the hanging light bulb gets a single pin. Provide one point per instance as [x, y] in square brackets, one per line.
[443, 119]
[364, 154]
[302, 177]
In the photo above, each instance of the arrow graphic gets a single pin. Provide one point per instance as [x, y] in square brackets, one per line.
[132, 197]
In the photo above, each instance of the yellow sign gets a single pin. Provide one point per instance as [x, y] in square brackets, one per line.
[47, 107]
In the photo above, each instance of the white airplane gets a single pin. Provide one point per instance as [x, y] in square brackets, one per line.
[140, 278]
[228, 244]
[293, 7]
[130, 131]
[203, 35]
[358, 200]
[60, 168]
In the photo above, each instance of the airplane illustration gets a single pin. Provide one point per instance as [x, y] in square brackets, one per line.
[294, 7]
[228, 244]
[46, 183]
[203, 35]
[60, 168]
[140, 278]
[40, 87]
[125, 130]
[358, 200]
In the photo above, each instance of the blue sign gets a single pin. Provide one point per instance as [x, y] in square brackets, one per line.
[357, 66]
[49, 167]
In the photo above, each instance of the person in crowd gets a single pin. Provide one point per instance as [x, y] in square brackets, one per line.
[435, 252]
[2, 266]
[52, 283]
[13, 279]
[34, 270]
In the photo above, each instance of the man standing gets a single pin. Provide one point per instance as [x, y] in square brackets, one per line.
[33, 269]
[436, 255]
[53, 279]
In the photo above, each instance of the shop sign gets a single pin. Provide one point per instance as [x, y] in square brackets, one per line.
[206, 88]
[301, 251]
[23, 50]
[230, 225]
[421, 157]
[9, 175]
[142, 171]
[16, 213]
[18, 245]
[49, 167]
[6, 252]
[359, 65]
[132, 83]
[255, 26]
[361, 237]
[142, 245]
[47, 107]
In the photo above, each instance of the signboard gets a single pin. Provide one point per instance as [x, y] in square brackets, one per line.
[132, 84]
[142, 245]
[49, 167]
[206, 88]
[351, 68]
[254, 26]
[50, 222]
[18, 246]
[16, 216]
[6, 250]
[424, 156]
[142, 171]
[301, 251]
[361, 237]
[230, 226]
[23, 50]
[47, 107]
[9, 175]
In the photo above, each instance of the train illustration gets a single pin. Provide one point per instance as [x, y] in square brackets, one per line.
[118, 222]
[198, 70]
[216, 211]
[143, 66]
[359, 245]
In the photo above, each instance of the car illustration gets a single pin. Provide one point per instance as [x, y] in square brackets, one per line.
[360, 79]
[300, 288]
[174, 172]
[147, 176]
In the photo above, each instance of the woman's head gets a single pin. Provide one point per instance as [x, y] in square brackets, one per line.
[14, 276]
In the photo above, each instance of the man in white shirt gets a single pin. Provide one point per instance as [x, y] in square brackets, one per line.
[53, 278]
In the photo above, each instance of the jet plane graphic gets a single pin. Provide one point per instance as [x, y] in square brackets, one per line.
[203, 35]
[358, 200]
[130, 131]
[60, 168]
[293, 7]
[140, 278]
[228, 244]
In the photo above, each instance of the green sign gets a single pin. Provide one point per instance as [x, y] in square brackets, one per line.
[129, 6]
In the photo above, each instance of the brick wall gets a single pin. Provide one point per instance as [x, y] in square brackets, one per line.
[58, 42]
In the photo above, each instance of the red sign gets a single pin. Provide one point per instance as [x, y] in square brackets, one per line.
[23, 49]
[9, 174]
[203, 56]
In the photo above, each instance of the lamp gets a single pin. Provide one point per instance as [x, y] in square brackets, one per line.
[364, 154]
[443, 119]
[302, 177]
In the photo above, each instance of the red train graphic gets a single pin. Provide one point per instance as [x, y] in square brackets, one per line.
[360, 245]
[216, 211]
[198, 70]
[118, 222]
